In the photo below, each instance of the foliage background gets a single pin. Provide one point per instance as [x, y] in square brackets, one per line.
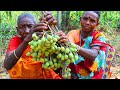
[109, 24]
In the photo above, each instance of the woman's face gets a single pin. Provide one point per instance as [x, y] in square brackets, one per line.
[24, 26]
[89, 21]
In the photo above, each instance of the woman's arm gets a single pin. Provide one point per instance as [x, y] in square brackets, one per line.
[89, 54]
[86, 53]
[10, 59]
[13, 56]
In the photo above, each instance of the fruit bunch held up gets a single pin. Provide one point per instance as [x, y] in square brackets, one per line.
[52, 54]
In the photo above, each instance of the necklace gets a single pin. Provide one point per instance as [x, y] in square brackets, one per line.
[82, 38]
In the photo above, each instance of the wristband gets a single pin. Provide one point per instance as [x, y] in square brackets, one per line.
[15, 55]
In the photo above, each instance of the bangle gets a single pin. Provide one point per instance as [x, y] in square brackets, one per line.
[78, 48]
[15, 55]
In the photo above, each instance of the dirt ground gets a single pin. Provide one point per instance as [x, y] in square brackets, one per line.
[3, 73]
[115, 72]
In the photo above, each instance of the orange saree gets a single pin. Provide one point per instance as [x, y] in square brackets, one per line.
[26, 68]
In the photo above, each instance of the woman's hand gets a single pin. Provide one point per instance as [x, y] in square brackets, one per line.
[49, 18]
[38, 28]
[41, 26]
[63, 37]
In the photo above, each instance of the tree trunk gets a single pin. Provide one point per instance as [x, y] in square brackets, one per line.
[67, 17]
[63, 21]
[9, 14]
[59, 19]
[67, 20]
[0, 18]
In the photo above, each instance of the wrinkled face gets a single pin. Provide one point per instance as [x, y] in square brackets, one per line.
[24, 26]
[89, 21]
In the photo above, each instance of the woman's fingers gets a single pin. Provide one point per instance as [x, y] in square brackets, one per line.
[40, 27]
[40, 24]
[49, 18]
[47, 13]
[63, 39]
[60, 33]
[55, 22]
[41, 19]
[39, 33]
[50, 21]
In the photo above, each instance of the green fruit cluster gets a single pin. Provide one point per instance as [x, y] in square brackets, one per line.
[55, 55]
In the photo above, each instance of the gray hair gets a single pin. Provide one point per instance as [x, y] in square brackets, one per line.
[24, 15]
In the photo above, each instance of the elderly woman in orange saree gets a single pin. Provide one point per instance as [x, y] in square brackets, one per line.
[17, 64]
